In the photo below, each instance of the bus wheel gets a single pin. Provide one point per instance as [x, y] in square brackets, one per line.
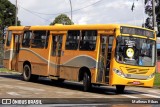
[26, 73]
[120, 89]
[86, 82]
[27, 76]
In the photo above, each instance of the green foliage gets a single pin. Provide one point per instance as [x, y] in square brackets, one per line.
[149, 12]
[7, 14]
[62, 19]
[157, 80]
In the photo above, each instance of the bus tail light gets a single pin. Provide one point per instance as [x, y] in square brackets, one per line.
[119, 72]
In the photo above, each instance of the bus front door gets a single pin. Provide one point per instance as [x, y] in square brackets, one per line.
[15, 55]
[104, 58]
[55, 57]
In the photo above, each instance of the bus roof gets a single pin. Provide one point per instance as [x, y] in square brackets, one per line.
[73, 27]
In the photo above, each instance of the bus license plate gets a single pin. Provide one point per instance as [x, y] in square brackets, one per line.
[136, 82]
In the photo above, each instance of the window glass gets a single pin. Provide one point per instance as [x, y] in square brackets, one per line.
[88, 40]
[26, 39]
[39, 39]
[72, 39]
[9, 38]
[135, 51]
[110, 43]
[46, 38]
[54, 45]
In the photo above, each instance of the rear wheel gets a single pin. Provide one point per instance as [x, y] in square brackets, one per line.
[120, 89]
[27, 76]
[86, 82]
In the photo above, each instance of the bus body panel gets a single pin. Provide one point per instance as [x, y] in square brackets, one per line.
[67, 64]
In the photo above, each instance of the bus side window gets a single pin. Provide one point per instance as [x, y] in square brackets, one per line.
[88, 40]
[9, 38]
[38, 39]
[72, 40]
[46, 38]
[26, 39]
[54, 45]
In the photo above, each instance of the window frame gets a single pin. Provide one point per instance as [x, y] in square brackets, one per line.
[72, 39]
[28, 45]
[44, 41]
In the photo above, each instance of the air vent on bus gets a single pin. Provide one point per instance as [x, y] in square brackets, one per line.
[136, 70]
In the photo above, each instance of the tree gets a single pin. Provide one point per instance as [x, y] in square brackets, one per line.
[62, 19]
[158, 16]
[7, 15]
[149, 12]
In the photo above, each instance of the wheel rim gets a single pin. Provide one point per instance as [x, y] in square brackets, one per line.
[26, 72]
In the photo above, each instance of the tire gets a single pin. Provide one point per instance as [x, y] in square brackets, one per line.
[27, 74]
[86, 82]
[120, 89]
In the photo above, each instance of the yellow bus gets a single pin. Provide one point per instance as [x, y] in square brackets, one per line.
[100, 54]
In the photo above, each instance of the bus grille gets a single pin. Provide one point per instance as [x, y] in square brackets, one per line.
[136, 70]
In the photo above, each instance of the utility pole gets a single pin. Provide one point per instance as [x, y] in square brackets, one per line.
[16, 14]
[154, 16]
[155, 28]
[71, 8]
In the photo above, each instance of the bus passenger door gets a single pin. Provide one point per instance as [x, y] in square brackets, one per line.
[55, 57]
[16, 48]
[104, 58]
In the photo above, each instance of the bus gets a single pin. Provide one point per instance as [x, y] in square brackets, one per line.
[99, 54]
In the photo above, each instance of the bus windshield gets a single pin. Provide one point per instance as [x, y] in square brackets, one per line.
[135, 51]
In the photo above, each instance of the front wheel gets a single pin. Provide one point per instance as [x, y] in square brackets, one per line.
[120, 89]
[86, 82]
[27, 75]
[26, 72]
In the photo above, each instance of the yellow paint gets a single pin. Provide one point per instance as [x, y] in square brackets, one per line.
[39, 67]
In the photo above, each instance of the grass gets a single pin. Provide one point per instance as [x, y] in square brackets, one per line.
[4, 70]
[157, 80]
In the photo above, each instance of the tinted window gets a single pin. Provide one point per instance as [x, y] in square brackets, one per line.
[88, 40]
[26, 39]
[39, 39]
[9, 38]
[72, 39]
[56, 45]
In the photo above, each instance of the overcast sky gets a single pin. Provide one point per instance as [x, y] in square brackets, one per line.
[43, 12]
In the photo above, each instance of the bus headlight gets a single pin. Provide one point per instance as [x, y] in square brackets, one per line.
[151, 76]
[119, 72]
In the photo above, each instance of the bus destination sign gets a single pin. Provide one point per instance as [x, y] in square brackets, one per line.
[137, 31]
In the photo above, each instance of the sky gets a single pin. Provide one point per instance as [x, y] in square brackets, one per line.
[43, 12]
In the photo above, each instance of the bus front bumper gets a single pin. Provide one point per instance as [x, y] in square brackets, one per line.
[118, 80]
